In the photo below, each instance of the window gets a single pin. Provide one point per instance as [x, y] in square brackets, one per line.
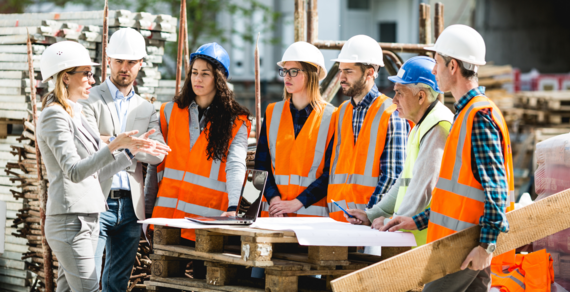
[359, 4]
[387, 32]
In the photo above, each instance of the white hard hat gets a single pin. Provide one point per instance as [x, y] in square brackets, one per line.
[463, 43]
[61, 56]
[126, 44]
[361, 49]
[305, 52]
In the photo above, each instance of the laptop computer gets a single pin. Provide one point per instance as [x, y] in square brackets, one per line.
[249, 202]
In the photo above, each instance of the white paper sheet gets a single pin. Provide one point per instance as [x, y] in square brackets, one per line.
[311, 231]
[328, 232]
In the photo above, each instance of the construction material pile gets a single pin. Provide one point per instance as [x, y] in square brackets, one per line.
[552, 176]
[28, 189]
[23, 226]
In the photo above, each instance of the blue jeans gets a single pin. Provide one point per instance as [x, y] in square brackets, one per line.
[119, 235]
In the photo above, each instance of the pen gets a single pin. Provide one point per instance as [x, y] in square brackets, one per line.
[347, 214]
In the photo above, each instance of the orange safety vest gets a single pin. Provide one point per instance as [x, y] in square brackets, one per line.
[190, 184]
[531, 272]
[458, 200]
[355, 168]
[297, 162]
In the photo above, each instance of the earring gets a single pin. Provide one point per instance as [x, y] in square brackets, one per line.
[66, 86]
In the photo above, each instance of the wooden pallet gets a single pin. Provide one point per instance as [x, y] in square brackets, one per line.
[229, 254]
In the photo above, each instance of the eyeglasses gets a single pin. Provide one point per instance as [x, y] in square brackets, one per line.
[87, 74]
[292, 72]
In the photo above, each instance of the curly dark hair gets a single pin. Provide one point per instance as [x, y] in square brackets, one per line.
[222, 113]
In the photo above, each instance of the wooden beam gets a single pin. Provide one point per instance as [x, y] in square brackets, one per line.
[442, 257]
[104, 42]
[300, 21]
[46, 250]
[257, 92]
[312, 21]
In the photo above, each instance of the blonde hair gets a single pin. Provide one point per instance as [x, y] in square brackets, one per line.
[311, 85]
[59, 94]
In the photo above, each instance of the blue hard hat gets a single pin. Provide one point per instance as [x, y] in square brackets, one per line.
[216, 54]
[417, 70]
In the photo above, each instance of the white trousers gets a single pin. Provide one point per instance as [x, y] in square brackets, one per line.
[73, 239]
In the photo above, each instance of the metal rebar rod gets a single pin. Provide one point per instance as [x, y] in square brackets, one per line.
[257, 92]
[186, 45]
[46, 250]
[312, 21]
[425, 24]
[300, 23]
[394, 47]
[180, 49]
[104, 42]
[438, 21]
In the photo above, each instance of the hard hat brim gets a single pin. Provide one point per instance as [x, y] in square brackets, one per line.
[433, 49]
[90, 64]
[126, 57]
[353, 61]
[397, 79]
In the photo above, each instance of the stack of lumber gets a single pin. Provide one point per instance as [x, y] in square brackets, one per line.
[13, 274]
[22, 265]
[27, 188]
[84, 27]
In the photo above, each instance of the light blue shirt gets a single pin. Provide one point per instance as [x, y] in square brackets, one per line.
[121, 179]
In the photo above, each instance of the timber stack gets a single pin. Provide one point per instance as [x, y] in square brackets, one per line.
[19, 185]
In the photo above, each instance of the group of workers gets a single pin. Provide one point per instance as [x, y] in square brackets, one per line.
[406, 163]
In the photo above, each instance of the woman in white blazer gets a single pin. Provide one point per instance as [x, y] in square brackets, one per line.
[76, 161]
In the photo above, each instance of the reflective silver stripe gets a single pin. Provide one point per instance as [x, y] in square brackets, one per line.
[205, 182]
[332, 178]
[519, 282]
[302, 180]
[166, 202]
[512, 198]
[453, 185]
[173, 173]
[342, 203]
[265, 206]
[198, 210]
[281, 180]
[215, 170]
[404, 182]
[314, 211]
[321, 144]
[274, 129]
[461, 189]
[335, 179]
[362, 180]
[448, 222]
[159, 175]
[373, 134]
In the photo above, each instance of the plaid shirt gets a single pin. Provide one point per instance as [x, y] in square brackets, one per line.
[488, 168]
[318, 189]
[394, 154]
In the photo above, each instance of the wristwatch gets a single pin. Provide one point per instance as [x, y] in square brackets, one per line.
[489, 248]
[111, 139]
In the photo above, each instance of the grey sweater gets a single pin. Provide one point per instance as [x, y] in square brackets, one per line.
[424, 177]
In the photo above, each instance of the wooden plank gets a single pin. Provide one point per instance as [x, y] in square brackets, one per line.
[442, 257]
[188, 252]
[184, 283]
[227, 258]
